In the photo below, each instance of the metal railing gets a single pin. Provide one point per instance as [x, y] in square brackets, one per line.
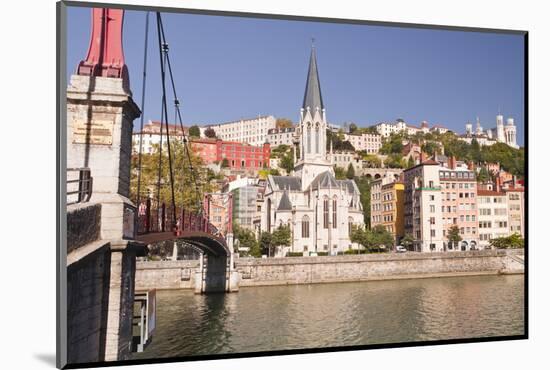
[79, 185]
[158, 217]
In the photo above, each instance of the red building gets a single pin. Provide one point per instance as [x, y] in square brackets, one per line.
[238, 155]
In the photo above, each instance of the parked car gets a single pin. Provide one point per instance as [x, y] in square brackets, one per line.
[400, 249]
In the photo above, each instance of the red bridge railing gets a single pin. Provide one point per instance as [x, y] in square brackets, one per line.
[154, 217]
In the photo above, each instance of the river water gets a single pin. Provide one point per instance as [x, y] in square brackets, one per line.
[343, 314]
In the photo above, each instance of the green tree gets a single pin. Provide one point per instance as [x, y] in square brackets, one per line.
[245, 239]
[483, 175]
[186, 181]
[407, 241]
[363, 184]
[430, 148]
[381, 238]
[513, 241]
[453, 235]
[209, 132]
[395, 161]
[393, 144]
[287, 162]
[194, 131]
[350, 173]
[225, 163]
[281, 236]
[410, 162]
[352, 128]
[266, 243]
[274, 172]
[339, 173]
[371, 160]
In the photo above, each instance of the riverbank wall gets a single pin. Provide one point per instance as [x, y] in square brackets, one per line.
[347, 268]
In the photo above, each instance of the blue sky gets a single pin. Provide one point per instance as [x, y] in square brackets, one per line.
[228, 68]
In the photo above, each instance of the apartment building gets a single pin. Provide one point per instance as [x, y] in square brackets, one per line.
[387, 206]
[438, 197]
[516, 210]
[369, 143]
[150, 136]
[281, 136]
[251, 131]
[237, 155]
[493, 216]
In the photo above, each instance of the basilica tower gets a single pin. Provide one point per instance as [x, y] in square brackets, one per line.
[312, 129]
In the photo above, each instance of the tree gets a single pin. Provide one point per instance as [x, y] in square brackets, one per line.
[339, 173]
[381, 238]
[352, 128]
[393, 144]
[209, 132]
[287, 162]
[453, 235]
[185, 180]
[266, 242]
[410, 162]
[281, 236]
[274, 172]
[350, 173]
[395, 161]
[246, 239]
[283, 123]
[407, 241]
[225, 163]
[483, 175]
[430, 148]
[363, 184]
[194, 131]
[372, 160]
[513, 241]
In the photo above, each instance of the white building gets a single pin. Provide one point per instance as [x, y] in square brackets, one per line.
[150, 136]
[387, 128]
[281, 136]
[493, 216]
[252, 131]
[319, 209]
[499, 134]
[369, 143]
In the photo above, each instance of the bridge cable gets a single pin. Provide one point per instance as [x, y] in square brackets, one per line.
[163, 50]
[142, 109]
[180, 121]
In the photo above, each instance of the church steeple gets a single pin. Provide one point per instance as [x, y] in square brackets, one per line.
[312, 96]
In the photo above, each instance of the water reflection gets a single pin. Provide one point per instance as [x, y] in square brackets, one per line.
[325, 315]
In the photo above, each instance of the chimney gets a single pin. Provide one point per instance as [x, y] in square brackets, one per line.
[452, 162]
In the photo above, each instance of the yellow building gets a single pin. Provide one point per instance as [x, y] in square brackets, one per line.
[392, 209]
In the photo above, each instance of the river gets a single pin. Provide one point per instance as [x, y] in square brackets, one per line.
[343, 314]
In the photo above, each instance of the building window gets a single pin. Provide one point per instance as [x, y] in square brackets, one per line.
[334, 213]
[305, 227]
[325, 213]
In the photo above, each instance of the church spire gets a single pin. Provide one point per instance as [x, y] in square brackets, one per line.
[312, 95]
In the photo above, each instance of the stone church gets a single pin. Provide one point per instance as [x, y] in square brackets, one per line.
[319, 209]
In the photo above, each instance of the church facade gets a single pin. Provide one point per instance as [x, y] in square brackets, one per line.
[319, 209]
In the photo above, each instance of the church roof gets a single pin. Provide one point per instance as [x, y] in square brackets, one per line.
[287, 182]
[285, 204]
[312, 95]
[323, 181]
[349, 185]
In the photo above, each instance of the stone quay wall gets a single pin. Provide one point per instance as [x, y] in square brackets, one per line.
[348, 268]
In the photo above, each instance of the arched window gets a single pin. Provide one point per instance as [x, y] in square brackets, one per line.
[317, 138]
[309, 139]
[325, 212]
[305, 227]
[334, 213]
